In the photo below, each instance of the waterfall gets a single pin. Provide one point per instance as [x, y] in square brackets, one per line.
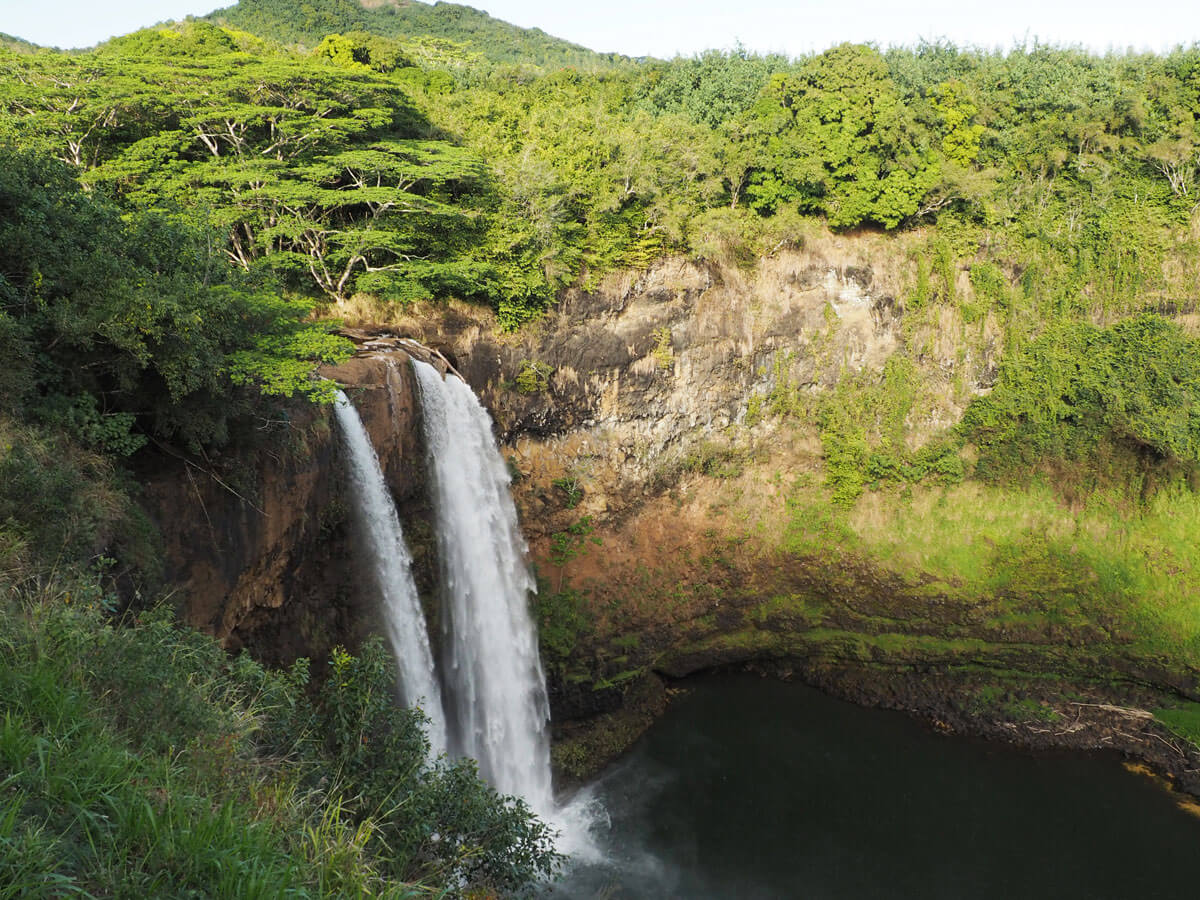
[391, 566]
[496, 703]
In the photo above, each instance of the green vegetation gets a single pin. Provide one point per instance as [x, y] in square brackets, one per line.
[295, 21]
[714, 460]
[117, 326]
[138, 758]
[1024, 565]
[567, 544]
[571, 489]
[156, 296]
[1183, 720]
[534, 377]
[16, 44]
[408, 152]
[561, 623]
[1079, 390]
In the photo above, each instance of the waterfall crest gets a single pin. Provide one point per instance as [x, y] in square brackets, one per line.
[391, 568]
[496, 703]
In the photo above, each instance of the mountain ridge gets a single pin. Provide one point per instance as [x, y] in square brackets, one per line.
[306, 22]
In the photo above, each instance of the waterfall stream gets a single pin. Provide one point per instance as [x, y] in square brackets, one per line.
[496, 705]
[391, 566]
[493, 705]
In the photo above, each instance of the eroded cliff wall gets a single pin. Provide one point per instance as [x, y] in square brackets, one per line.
[669, 438]
[671, 464]
[261, 548]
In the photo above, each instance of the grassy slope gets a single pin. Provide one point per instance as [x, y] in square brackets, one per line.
[138, 759]
[19, 45]
[104, 793]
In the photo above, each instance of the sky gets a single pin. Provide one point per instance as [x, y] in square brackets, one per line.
[665, 28]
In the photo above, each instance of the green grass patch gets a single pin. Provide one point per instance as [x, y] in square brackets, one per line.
[1028, 557]
[1183, 721]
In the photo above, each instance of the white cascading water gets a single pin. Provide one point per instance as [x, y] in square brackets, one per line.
[496, 703]
[391, 564]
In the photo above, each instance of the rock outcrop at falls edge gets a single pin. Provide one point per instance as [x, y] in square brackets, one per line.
[261, 549]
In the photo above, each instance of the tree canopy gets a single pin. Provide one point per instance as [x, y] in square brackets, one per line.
[118, 325]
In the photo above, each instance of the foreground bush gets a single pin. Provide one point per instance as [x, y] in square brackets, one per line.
[137, 759]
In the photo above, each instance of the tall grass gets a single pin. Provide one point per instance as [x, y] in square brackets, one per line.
[102, 795]
[138, 760]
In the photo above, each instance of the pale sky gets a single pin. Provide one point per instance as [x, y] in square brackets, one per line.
[665, 28]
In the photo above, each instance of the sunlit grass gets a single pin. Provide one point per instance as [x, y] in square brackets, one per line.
[1183, 720]
[1130, 570]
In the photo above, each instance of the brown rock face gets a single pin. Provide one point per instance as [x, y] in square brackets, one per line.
[619, 385]
[602, 408]
[270, 563]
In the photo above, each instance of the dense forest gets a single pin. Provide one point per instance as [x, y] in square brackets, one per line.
[188, 212]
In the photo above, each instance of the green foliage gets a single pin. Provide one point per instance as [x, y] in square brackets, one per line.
[946, 268]
[561, 622]
[122, 325]
[567, 544]
[90, 807]
[994, 700]
[513, 182]
[991, 286]
[293, 20]
[304, 22]
[922, 291]
[191, 39]
[840, 141]
[16, 44]
[663, 353]
[783, 398]
[534, 377]
[1056, 577]
[140, 758]
[1079, 387]
[846, 453]
[325, 175]
[960, 133]
[362, 50]
[65, 508]
[571, 489]
[710, 89]
[754, 410]
[864, 435]
[714, 460]
[436, 820]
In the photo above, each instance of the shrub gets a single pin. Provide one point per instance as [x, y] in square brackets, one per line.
[138, 758]
[1079, 388]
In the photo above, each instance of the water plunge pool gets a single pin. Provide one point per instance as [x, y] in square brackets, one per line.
[752, 788]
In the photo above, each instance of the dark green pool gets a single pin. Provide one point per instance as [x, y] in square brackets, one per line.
[751, 788]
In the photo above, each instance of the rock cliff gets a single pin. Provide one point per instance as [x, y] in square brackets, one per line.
[663, 429]
[261, 547]
[668, 466]
[620, 383]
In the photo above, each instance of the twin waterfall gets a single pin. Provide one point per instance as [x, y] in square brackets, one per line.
[487, 699]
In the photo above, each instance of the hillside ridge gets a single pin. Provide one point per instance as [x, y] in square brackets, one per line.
[294, 22]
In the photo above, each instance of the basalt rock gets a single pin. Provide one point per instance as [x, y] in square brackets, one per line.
[262, 552]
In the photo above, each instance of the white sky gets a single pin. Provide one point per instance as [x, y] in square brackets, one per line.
[664, 28]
